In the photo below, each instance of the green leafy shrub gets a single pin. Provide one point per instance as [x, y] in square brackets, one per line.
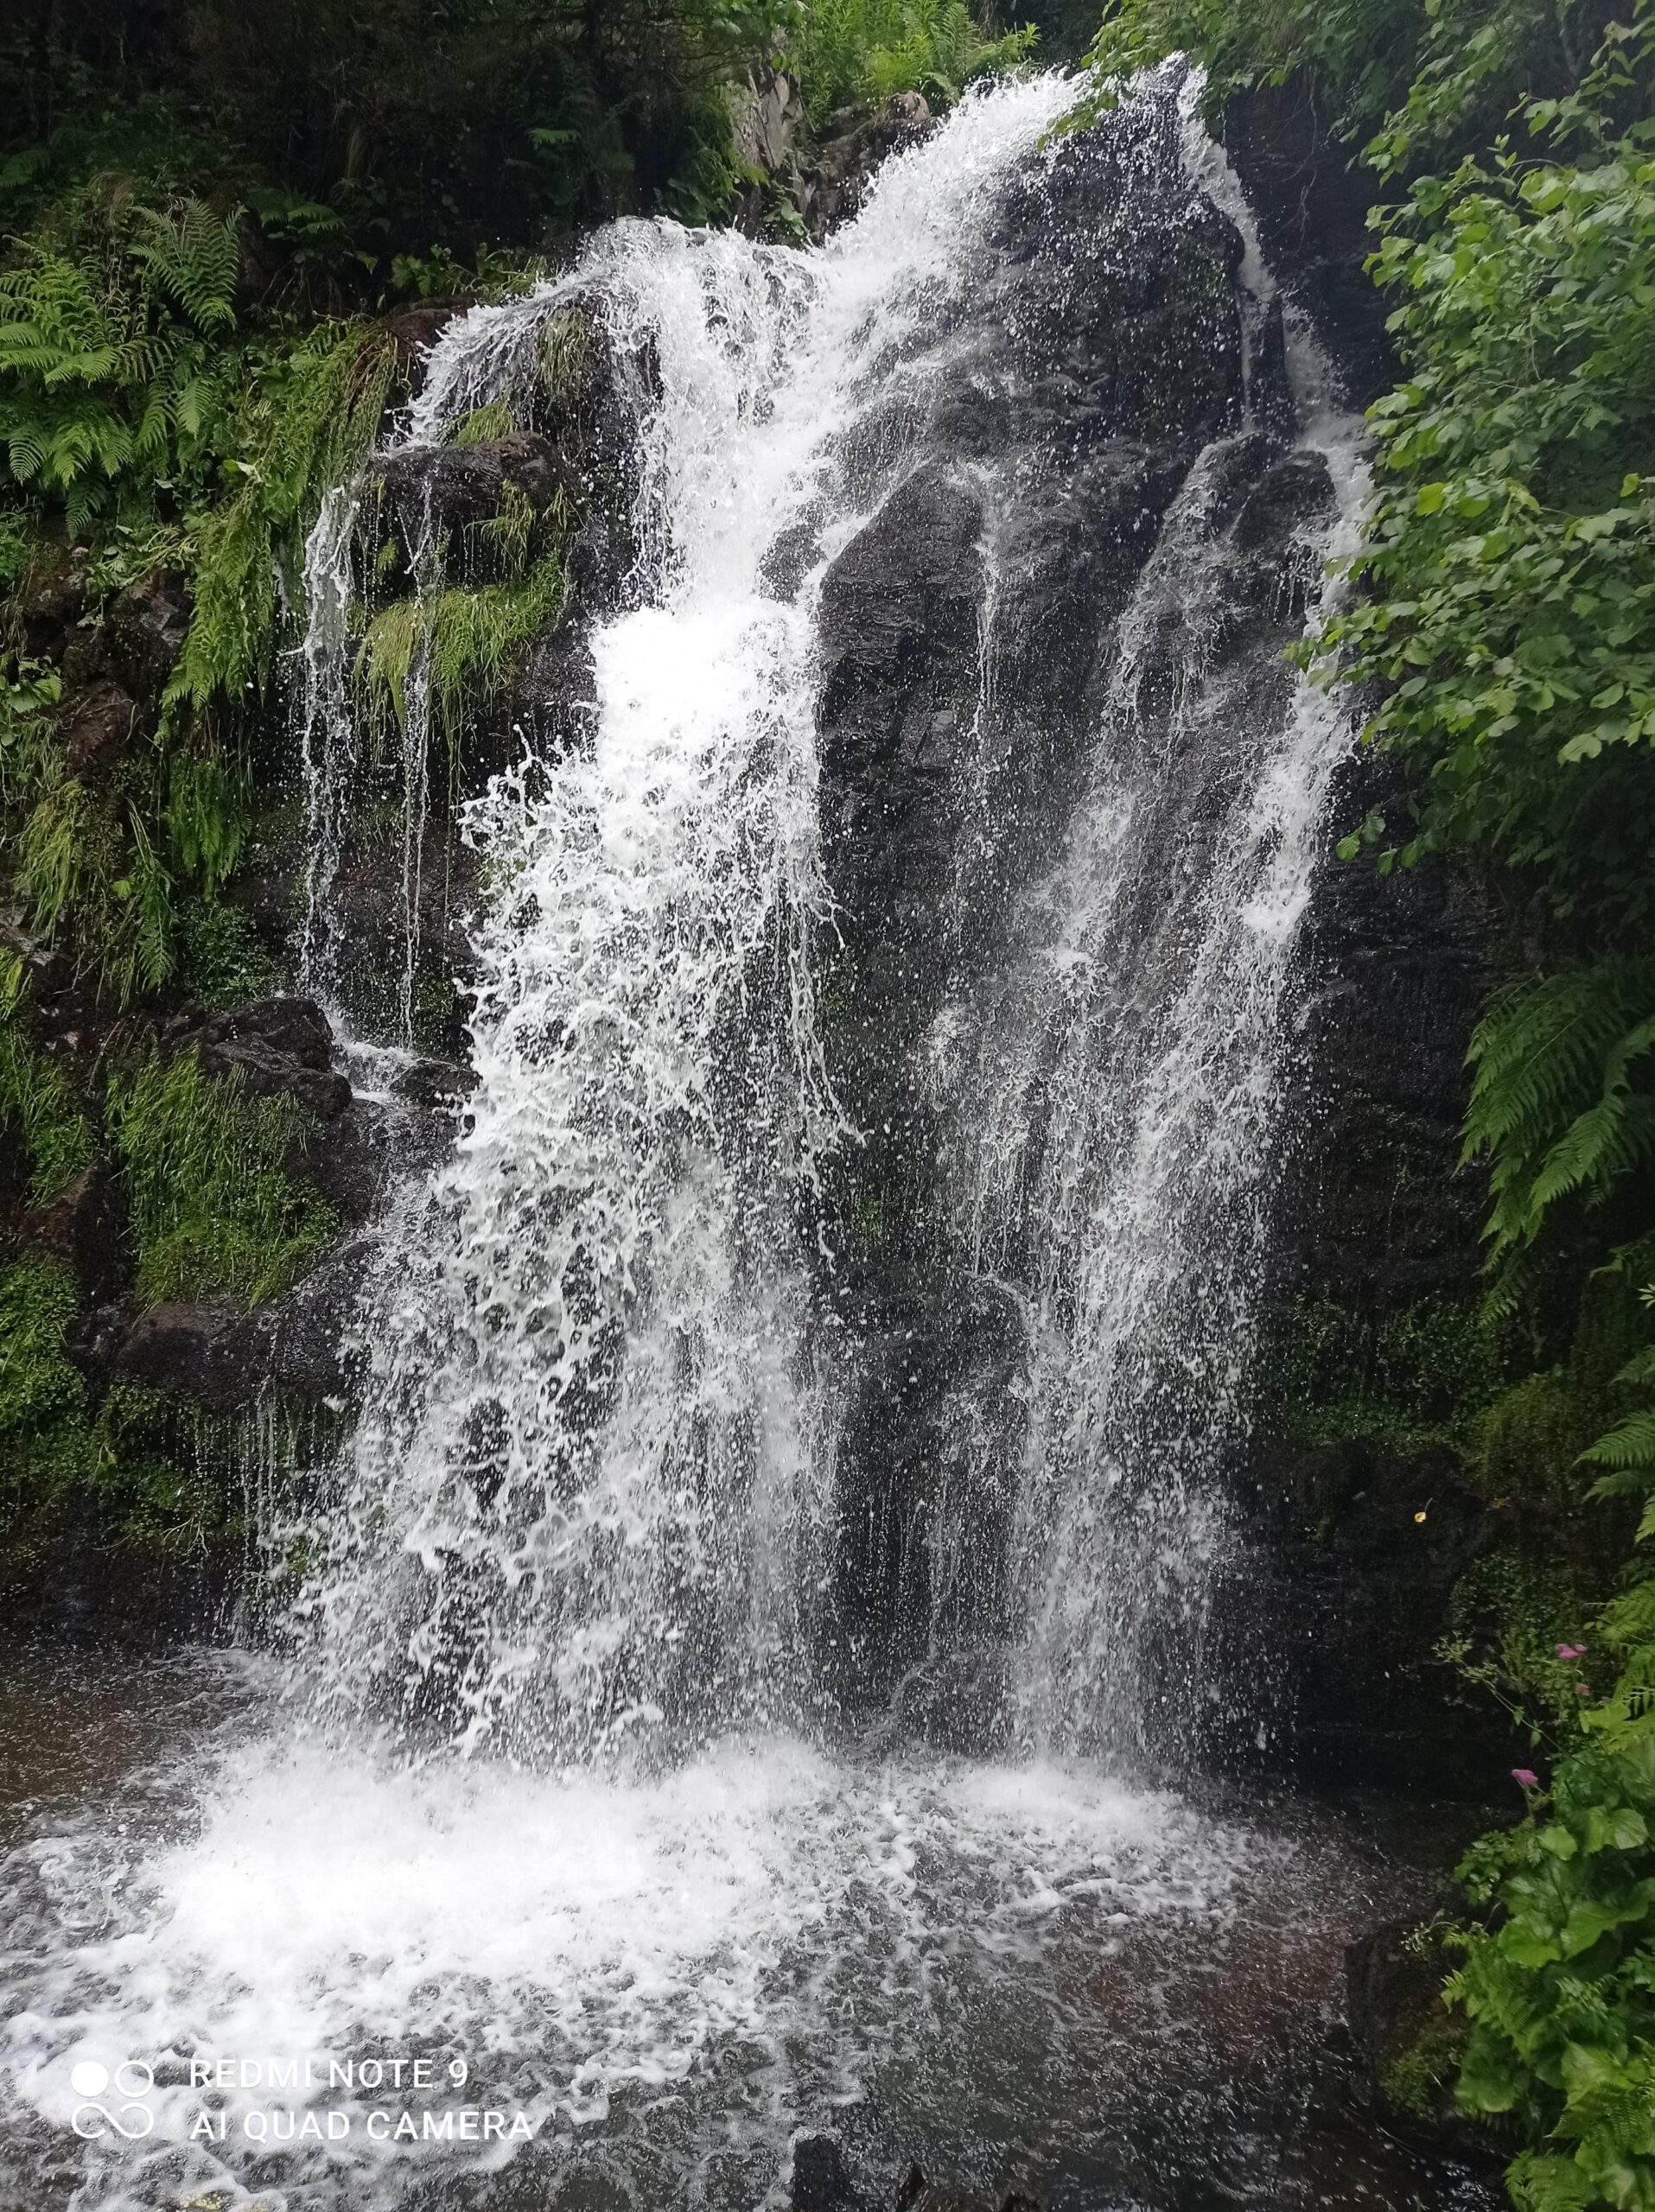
[221, 962]
[110, 375]
[35, 1099]
[1561, 1102]
[216, 1208]
[44, 1438]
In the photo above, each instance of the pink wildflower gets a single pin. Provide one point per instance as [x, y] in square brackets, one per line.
[1526, 1777]
[1571, 1652]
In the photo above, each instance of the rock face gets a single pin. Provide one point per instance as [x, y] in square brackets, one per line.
[833, 178]
[1375, 1226]
[1099, 356]
[452, 489]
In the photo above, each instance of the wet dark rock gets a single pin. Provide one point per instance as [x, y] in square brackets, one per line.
[95, 732]
[821, 2181]
[834, 177]
[414, 330]
[52, 594]
[1294, 494]
[367, 905]
[453, 489]
[1098, 357]
[919, 2194]
[85, 660]
[436, 1082]
[1311, 196]
[85, 1227]
[225, 1358]
[299, 1346]
[1374, 1207]
[1363, 1545]
[144, 629]
[352, 1157]
[958, 1699]
[277, 1047]
[202, 1351]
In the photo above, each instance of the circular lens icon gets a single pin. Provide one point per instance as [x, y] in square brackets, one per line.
[89, 2079]
[133, 2078]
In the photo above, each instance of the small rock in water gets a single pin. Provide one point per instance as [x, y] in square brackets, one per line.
[821, 2182]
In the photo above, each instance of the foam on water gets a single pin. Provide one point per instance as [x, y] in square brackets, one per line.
[577, 1940]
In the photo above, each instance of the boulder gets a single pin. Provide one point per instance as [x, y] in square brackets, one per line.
[226, 1358]
[833, 179]
[204, 1352]
[764, 114]
[414, 330]
[434, 490]
[278, 1046]
[351, 1157]
[435, 1083]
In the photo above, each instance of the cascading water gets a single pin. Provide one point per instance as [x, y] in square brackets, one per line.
[583, 1502]
[670, 1908]
[1112, 1098]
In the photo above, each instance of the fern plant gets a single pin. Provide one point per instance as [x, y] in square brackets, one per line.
[110, 377]
[1563, 1103]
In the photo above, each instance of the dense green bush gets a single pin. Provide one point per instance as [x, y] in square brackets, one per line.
[849, 50]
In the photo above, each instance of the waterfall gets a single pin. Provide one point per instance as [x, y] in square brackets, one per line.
[584, 1510]
[1112, 1097]
[845, 1272]
[594, 1498]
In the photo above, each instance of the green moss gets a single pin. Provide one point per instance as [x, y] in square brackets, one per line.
[36, 1099]
[137, 1459]
[215, 1211]
[484, 424]
[1421, 1379]
[1532, 1437]
[45, 1441]
[473, 642]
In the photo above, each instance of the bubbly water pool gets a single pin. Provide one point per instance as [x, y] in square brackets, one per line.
[1009, 1972]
